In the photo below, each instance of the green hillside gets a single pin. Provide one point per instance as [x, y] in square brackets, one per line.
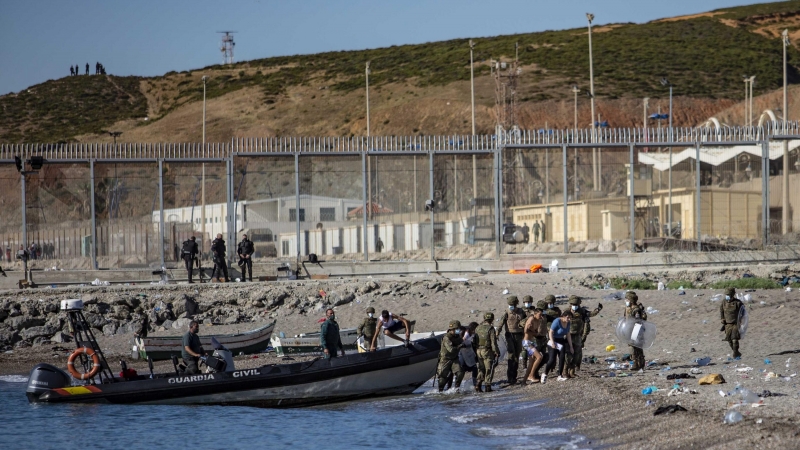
[704, 57]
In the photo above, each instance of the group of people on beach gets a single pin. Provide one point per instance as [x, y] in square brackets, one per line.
[544, 336]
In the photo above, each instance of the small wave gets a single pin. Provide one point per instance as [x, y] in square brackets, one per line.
[519, 431]
[468, 418]
[14, 378]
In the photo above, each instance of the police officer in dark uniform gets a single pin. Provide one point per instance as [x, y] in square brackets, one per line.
[245, 251]
[189, 252]
[218, 251]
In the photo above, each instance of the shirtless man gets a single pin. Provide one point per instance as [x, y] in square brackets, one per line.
[390, 324]
[535, 332]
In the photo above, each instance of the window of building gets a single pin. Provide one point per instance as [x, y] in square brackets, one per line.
[293, 215]
[285, 248]
[327, 214]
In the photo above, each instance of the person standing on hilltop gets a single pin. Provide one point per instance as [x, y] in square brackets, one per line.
[729, 312]
[513, 321]
[87, 68]
[71, 71]
[635, 310]
[486, 341]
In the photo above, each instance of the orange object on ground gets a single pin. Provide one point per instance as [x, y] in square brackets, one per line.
[535, 268]
[517, 271]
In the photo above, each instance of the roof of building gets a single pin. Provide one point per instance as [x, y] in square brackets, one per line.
[714, 156]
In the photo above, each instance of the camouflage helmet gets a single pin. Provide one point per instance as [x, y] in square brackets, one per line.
[454, 324]
[574, 300]
[488, 316]
[541, 304]
[512, 300]
[371, 310]
[630, 295]
[730, 291]
[550, 299]
[527, 299]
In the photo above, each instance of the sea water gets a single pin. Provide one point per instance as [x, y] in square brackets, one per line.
[426, 419]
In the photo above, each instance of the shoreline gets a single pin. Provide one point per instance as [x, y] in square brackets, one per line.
[608, 412]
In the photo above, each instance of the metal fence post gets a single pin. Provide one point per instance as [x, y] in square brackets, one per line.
[765, 222]
[564, 167]
[698, 198]
[364, 202]
[24, 210]
[229, 169]
[498, 197]
[632, 200]
[161, 210]
[433, 197]
[94, 217]
[297, 201]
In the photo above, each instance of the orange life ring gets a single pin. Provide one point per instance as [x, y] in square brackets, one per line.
[95, 363]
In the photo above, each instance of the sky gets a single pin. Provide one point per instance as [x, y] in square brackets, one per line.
[43, 38]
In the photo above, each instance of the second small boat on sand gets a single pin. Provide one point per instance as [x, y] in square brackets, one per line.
[159, 348]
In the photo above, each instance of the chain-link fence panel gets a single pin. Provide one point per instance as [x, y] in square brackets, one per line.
[331, 209]
[264, 193]
[127, 212]
[58, 216]
[11, 225]
[465, 224]
[533, 195]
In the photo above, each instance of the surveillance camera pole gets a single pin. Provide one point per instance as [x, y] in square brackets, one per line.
[24, 218]
[785, 177]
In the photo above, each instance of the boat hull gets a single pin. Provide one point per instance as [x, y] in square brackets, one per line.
[393, 371]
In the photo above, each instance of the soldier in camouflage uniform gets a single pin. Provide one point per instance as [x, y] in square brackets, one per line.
[513, 321]
[578, 330]
[729, 316]
[528, 307]
[551, 311]
[635, 310]
[452, 343]
[486, 341]
[368, 327]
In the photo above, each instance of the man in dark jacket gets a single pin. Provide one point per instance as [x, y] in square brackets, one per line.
[245, 251]
[329, 337]
[218, 253]
[189, 253]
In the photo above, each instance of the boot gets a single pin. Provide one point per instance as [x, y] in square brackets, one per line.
[570, 372]
[478, 387]
[573, 372]
[735, 347]
[488, 388]
[642, 362]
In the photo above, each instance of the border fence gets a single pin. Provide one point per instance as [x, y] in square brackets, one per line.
[131, 205]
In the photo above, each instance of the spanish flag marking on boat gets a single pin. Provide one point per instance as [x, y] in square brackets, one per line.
[79, 390]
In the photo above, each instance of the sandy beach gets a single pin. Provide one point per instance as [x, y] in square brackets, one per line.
[609, 411]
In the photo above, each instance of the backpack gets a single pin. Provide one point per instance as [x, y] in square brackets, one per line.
[187, 247]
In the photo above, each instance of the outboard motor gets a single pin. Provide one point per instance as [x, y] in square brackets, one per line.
[45, 377]
[222, 358]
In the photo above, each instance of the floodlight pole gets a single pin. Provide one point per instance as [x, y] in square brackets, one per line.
[203, 183]
[785, 178]
[595, 175]
[750, 118]
[472, 92]
[575, 91]
[367, 213]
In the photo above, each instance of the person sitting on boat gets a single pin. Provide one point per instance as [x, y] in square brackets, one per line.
[368, 327]
[192, 349]
[391, 324]
[329, 335]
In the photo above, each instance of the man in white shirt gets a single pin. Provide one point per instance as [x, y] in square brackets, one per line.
[391, 324]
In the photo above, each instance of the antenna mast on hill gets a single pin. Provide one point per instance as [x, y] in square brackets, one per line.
[227, 46]
[505, 88]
